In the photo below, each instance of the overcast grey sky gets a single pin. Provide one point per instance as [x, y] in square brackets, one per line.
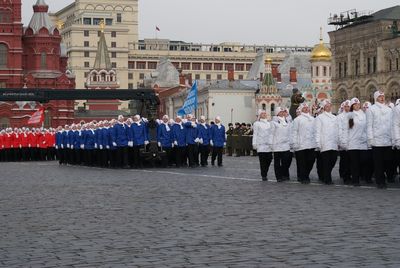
[290, 22]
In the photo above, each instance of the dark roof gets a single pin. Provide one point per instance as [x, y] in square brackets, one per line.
[391, 13]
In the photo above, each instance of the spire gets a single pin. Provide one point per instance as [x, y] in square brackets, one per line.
[40, 18]
[321, 39]
[268, 77]
[102, 57]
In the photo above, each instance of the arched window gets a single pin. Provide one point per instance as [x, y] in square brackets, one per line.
[264, 107]
[273, 109]
[3, 55]
[43, 60]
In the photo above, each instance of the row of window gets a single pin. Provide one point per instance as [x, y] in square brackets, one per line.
[324, 70]
[371, 67]
[86, 54]
[86, 33]
[195, 66]
[96, 21]
[196, 76]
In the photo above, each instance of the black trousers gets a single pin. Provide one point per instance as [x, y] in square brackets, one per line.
[170, 159]
[329, 159]
[193, 154]
[282, 162]
[217, 154]
[319, 166]
[89, 157]
[305, 161]
[367, 170]
[358, 162]
[112, 156]
[344, 167]
[265, 162]
[204, 152]
[122, 157]
[137, 163]
[180, 156]
[382, 157]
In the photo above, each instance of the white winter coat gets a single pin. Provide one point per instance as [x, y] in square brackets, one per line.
[343, 125]
[302, 134]
[396, 126]
[262, 136]
[379, 125]
[326, 132]
[281, 135]
[356, 137]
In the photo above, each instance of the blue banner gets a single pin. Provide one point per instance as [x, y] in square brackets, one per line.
[190, 104]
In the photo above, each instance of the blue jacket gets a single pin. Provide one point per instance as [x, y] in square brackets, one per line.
[191, 133]
[90, 139]
[164, 136]
[120, 135]
[65, 138]
[218, 136]
[139, 133]
[99, 137]
[76, 141]
[59, 138]
[204, 133]
[179, 135]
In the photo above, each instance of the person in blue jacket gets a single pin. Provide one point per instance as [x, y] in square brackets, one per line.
[59, 145]
[217, 141]
[179, 138]
[120, 141]
[65, 144]
[77, 144]
[139, 134]
[204, 131]
[192, 141]
[111, 149]
[89, 145]
[164, 138]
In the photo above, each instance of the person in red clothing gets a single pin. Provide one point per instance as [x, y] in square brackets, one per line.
[50, 142]
[42, 145]
[25, 144]
[2, 150]
[8, 145]
[33, 144]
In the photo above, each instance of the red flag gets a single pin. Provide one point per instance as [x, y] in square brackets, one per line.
[157, 29]
[37, 117]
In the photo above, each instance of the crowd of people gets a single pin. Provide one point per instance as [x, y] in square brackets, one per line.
[367, 138]
[117, 143]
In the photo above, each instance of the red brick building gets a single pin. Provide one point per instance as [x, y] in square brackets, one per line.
[32, 57]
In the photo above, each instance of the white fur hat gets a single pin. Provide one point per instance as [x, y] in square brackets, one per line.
[377, 94]
[354, 101]
[325, 102]
[397, 102]
[218, 118]
[202, 117]
[279, 109]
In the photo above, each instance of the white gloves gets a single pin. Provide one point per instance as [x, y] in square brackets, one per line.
[130, 143]
[317, 149]
[114, 144]
[20, 146]
[197, 140]
[201, 141]
[211, 143]
[72, 147]
[29, 145]
[82, 146]
[255, 146]
[159, 144]
[108, 146]
[62, 146]
[95, 145]
[146, 142]
[56, 146]
[173, 145]
[176, 143]
[68, 145]
[224, 144]
[101, 147]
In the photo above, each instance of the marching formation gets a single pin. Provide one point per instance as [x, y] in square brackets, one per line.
[367, 138]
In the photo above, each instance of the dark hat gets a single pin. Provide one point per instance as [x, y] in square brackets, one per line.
[295, 90]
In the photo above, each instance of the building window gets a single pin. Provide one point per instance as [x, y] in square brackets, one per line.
[87, 21]
[87, 65]
[340, 69]
[141, 76]
[228, 66]
[218, 66]
[86, 74]
[3, 55]
[152, 65]
[130, 75]
[374, 64]
[119, 17]
[113, 34]
[176, 64]
[240, 77]
[317, 71]
[130, 85]
[390, 65]
[113, 65]
[113, 44]
[369, 65]
[208, 77]
[185, 65]
[96, 21]
[207, 66]
[109, 22]
[196, 66]
[357, 67]
[86, 33]
[43, 60]
[131, 65]
[219, 76]
[345, 69]
[86, 43]
[239, 67]
[197, 76]
[397, 64]
[248, 67]
[86, 54]
[324, 71]
[113, 54]
[141, 65]
[98, 33]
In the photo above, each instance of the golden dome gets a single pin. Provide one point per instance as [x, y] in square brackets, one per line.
[321, 52]
[268, 61]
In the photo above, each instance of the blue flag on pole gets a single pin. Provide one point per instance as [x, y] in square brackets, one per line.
[191, 101]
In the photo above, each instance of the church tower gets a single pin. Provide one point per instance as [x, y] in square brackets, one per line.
[268, 98]
[321, 58]
[102, 76]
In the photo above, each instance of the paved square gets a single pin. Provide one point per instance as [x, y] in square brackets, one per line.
[63, 216]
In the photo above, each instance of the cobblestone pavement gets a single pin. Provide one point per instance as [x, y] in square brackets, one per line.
[52, 216]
